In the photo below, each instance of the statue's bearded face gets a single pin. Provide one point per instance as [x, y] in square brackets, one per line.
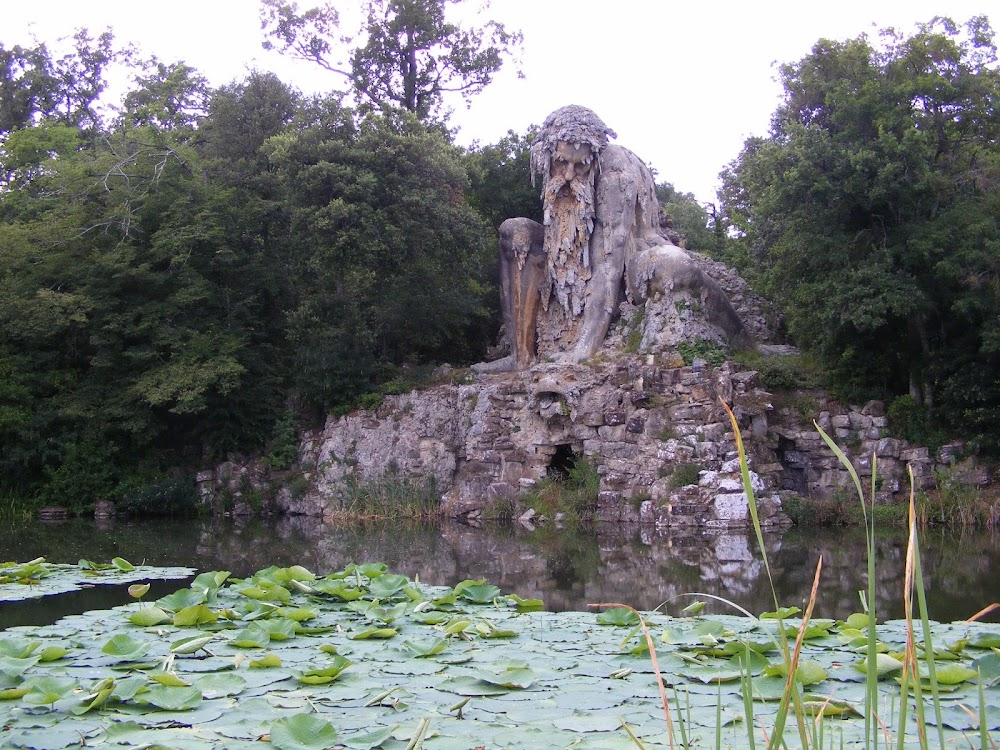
[568, 202]
[571, 162]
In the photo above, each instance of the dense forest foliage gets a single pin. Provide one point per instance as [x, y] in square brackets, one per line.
[194, 270]
[871, 214]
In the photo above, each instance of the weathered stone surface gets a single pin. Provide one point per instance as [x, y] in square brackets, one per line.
[636, 417]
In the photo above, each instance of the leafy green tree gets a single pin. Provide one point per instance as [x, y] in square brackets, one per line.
[35, 85]
[410, 56]
[500, 184]
[870, 211]
[698, 226]
[386, 255]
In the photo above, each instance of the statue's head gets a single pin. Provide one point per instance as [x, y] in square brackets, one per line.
[570, 141]
[567, 154]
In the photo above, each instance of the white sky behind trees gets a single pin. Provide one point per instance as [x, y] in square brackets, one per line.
[682, 83]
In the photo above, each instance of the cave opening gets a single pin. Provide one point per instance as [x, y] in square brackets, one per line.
[563, 461]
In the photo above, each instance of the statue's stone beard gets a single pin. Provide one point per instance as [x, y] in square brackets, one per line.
[569, 222]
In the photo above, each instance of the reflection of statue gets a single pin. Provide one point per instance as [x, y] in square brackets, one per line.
[562, 281]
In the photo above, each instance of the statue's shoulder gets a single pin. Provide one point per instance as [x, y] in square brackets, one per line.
[618, 158]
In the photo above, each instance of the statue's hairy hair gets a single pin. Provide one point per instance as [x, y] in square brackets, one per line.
[573, 124]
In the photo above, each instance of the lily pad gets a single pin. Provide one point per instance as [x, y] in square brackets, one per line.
[618, 617]
[302, 732]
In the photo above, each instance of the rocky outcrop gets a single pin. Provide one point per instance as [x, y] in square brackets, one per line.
[656, 432]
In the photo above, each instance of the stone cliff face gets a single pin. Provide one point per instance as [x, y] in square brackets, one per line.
[641, 420]
[637, 422]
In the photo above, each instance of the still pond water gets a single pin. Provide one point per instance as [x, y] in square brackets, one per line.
[566, 569]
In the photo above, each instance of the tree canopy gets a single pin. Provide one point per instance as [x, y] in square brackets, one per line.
[870, 214]
[179, 277]
[407, 55]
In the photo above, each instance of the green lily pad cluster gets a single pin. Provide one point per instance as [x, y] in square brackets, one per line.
[365, 658]
[36, 578]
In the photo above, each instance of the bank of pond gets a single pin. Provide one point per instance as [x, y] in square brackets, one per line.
[364, 657]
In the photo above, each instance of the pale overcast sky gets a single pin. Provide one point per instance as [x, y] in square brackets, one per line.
[683, 84]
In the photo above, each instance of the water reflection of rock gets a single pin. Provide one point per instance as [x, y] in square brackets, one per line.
[569, 569]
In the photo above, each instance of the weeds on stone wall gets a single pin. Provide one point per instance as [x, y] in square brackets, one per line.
[712, 353]
[391, 496]
[783, 372]
[683, 474]
[573, 495]
[954, 503]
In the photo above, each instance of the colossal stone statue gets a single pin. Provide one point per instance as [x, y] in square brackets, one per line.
[562, 281]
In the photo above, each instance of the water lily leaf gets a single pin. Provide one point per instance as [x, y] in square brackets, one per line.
[808, 672]
[171, 698]
[489, 630]
[372, 570]
[148, 617]
[989, 666]
[767, 688]
[480, 593]
[125, 648]
[254, 635]
[826, 706]
[338, 589]
[457, 625]
[857, 621]
[190, 645]
[138, 590]
[512, 677]
[267, 661]
[985, 639]
[749, 661]
[812, 631]
[327, 674]
[884, 665]
[423, 650]
[387, 585]
[44, 691]
[267, 592]
[302, 732]
[953, 674]
[966, 718]
[733, 648]
[466, 685]
[431, 618]
[180, 599]
[618, 617]
[588, 723]
[122, 564]
[280, 629]
[694, 608]
[526, 605]
[167, 678]
[17, 649]
[221, 685]
[782, 613]
[294, 573]
[368, 740]
[127, 688]
[298, 614]
[713, 674]
[197, 614]
[369, 633]
[14, 693]
[209, 583]
[97, 697]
